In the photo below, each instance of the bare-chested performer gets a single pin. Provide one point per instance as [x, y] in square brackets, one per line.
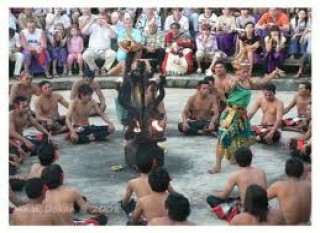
[256, 210]
[62, 199]
[241, 178]
[293, 194]
[200, 105]
[221, 80]
[302, 99]
[272, 108]
[139, 186]
[19, 117]
[23, 88]
[301, 146]
[88, 78]
[178, 208]
[47, 155]
[46, 108]
[78, 118]
[35, 212]
[153, 204]
[158, 115]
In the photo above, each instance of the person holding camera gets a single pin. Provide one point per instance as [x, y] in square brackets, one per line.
[100, 35]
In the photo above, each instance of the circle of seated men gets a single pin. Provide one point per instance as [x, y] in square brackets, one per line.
[218, 108]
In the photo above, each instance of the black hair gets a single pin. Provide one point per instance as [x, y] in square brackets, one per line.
[46, 153]
[294, 167]
[256, 202]
[52, 176]
[85, 90]
[175, 24]
[307, 85]
[41, 84]
[12, 32]
[208, 79]
[270, 87]
[34, 187]
[88, 73]
[18, 99]
[178, 207]
[202, 82]
[159, 179]
[144, 162]
[219, 62]
[243, 156]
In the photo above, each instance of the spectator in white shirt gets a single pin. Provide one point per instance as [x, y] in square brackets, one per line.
[207, 17]
[101, 34]
[57, 17]
[15, 52]
[177, 17]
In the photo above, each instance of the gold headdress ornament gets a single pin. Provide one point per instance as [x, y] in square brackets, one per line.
[244, 65]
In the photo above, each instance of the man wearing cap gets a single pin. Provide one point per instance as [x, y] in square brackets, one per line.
[88, 78]
[46, 108]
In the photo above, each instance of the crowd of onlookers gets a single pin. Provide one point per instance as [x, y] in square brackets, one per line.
[58, 41]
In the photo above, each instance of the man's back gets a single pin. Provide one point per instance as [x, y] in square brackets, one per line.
[62, 200]
[140, 186]
[35, 214]
[247, 176]
[294, 198]
[35, 171]
[274, 217]
[153, 205]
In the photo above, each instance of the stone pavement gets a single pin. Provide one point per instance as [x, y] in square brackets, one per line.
[87, 167]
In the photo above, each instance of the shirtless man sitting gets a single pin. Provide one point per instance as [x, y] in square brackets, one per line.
[293, 194]
[178, 208]
[153, 204]
[241, 178]
[302, 99]
[256, 210]
[200, 105]
[158, 115]
[19, 117]
[78, 118]
[139, 186]
[221, 83]
[35, 212]
[62, 199]
[88, 78]
[46, 155]
[23, 88]
[301, 146]
[46, 108]
[272, 108]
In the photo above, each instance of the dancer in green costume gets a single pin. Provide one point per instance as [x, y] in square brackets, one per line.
[235, 129]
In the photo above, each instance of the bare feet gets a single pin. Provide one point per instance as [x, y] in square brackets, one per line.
[214, 170]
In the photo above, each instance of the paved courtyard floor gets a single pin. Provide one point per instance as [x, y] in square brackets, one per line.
[87, 167]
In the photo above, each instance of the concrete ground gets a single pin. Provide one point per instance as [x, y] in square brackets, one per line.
[87, 167]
